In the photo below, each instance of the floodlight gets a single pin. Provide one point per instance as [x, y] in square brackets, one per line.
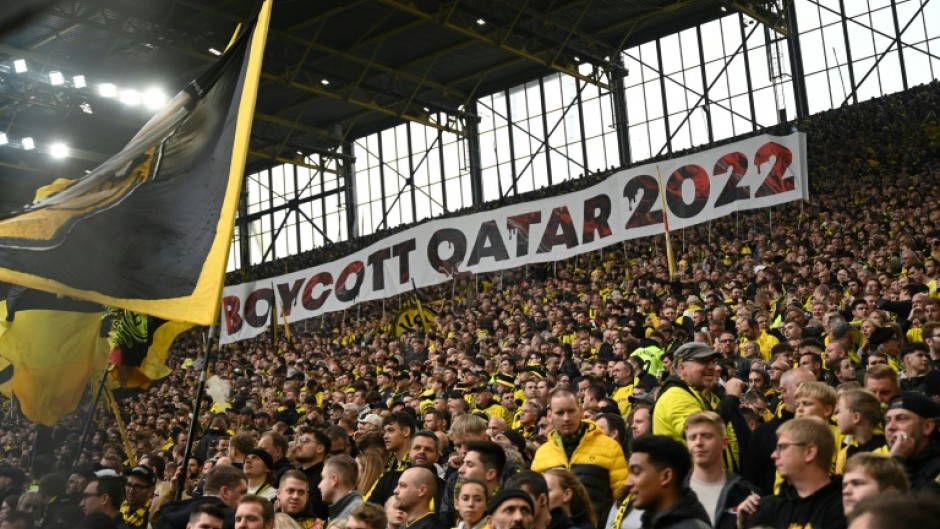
[154, 98]
[78, 81]
[58, 150]
[130, 97]
[107, 90]
[56, 78]
[28, 143]
[19, 65]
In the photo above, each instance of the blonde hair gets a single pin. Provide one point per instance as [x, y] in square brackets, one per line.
[465, 425]
[864, 403]
[580, 499]
[370, 468]
[811, 430]
[818, 391]
[705, 417]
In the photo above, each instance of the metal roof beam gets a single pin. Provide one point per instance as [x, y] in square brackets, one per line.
[764, 13]
[473, 34]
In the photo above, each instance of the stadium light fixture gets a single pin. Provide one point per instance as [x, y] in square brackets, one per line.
[107, 90]
[325, 82]
[130, 97]
[58, 150]
[19, 65]
[56, 78]
[3, 138]
[215, 52]
[79, 81]
[28, 143]
[481, 22]
[154, 98]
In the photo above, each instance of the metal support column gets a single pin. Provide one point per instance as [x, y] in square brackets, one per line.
[796, 63]
[618, 94]
[705, 86]
[348, 169]
[897, 33]
[848, 50]
[548, 152]
[244, 248]
[474, 162]
[662, 90]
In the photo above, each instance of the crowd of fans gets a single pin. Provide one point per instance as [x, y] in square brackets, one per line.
[787, 375]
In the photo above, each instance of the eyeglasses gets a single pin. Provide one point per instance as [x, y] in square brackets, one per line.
[783, 446]
[725, 341]
[91, 495]
[137, 486]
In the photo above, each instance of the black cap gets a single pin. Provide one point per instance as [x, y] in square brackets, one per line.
[516, 439]
[915, 402]
[508, 494]
[264, 456]
[881, 336]
[144, 473]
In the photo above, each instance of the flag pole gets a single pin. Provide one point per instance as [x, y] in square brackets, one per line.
[671, 262]
[424, 323]
[200, 391]
[91, 416]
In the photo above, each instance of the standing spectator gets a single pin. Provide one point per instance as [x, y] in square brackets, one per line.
[811, 498]
[718, 490]
[580, 445]
[910, 424]
[694, 390]
[338, 486]
[659, 466]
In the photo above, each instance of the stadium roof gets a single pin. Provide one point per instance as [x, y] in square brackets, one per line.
[335, 70]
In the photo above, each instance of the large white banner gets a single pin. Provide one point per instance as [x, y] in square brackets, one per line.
[754, 173]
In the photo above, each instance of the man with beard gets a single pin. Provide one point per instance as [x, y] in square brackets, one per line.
[511, 509]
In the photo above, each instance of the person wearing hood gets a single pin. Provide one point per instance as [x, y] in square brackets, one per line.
[659, 466]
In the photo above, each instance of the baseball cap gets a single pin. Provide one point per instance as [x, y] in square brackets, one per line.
[372, 419]
[917, 403]
[144, 473]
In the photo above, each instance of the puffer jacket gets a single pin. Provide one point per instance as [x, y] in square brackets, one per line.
[597, 461]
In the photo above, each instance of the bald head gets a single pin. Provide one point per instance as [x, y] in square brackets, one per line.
[789, 382]
[421, 477]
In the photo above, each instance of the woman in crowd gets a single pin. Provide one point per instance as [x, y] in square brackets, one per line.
[471, 504]
[565, 491]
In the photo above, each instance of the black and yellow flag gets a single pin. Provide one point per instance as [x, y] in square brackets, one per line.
[149, 230]
[53, 346]
[139, 347]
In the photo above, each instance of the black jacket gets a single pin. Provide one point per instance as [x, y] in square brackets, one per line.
[687, 513]
[923, 470]
[175, 515]
[316, 507]
[735, 491]
[758, 468]
[821, 509]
